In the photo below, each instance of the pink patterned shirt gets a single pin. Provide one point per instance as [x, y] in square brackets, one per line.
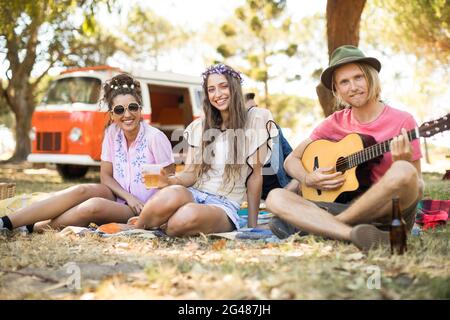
[150, 146]
[388, 125]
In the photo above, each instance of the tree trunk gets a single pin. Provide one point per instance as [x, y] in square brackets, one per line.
[23, 108]
[19, 92]
[343, 18]
[23, 143]
[266, 93]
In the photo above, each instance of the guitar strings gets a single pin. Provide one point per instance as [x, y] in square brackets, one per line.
[371, 149]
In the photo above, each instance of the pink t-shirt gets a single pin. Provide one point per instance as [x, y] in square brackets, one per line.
[150, 146]
[388, 125]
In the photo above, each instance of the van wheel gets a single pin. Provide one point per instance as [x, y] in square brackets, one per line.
[70, 172]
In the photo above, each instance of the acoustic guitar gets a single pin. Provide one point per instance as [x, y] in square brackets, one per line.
[354, 156]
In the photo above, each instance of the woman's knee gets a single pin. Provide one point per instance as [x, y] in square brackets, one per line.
[178, 190]
[91, 207]
[87, 190]
[185, 219]
[170, 199]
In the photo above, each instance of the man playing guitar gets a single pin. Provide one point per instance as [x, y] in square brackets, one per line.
[353, 79]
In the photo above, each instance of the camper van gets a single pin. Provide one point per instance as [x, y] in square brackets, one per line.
[68, 126]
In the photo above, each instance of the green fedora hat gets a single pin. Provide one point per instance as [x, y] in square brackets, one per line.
[343, 55]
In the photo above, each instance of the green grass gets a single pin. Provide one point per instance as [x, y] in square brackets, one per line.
[207, 268]
[435, 187]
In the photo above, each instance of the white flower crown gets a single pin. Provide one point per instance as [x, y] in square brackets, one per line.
[115, 87]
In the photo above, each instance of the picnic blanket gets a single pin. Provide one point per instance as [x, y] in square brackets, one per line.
[432, 213]
[10, 205]
[243, 234]
[112, 230]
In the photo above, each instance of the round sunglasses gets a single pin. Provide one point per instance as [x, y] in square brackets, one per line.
[132, 107]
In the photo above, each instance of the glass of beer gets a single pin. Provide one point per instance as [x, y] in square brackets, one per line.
[151, 173]
[179, 168]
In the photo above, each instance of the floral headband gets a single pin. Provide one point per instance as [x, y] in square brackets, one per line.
[115, 87]
[221, 69]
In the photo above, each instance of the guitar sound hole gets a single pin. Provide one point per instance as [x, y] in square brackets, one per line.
[341, 165]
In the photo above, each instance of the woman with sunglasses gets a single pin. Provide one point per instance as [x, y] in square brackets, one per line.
[227, 148]
[128, 143]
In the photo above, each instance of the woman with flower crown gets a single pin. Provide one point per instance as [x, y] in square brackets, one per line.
[128, 143]
[227, 148]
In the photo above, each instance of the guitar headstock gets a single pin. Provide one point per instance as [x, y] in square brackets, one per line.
[433, 127]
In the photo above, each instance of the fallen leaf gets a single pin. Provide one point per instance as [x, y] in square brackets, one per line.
[219, 245]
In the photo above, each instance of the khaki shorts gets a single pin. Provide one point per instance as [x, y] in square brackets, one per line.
[409, 214]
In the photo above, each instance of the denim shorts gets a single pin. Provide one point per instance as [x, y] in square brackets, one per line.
[229, 206]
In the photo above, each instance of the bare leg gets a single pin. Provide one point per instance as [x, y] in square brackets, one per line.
[193, 218]
[400, 180]
[293, 186]
[162, 206]
[59, 203]
[96, 210]
[306, 215]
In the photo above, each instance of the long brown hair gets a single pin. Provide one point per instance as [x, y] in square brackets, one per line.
[213, 120]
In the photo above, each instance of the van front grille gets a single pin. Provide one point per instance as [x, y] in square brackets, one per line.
[48, 141]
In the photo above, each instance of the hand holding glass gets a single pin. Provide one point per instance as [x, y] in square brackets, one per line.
[150, 173]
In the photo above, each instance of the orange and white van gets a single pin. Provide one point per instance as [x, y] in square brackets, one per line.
[68, 126]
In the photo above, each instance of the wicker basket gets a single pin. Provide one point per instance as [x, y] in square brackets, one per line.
[7, 190]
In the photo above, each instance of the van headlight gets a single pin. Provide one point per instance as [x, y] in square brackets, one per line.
[75, 134]
[32, 134]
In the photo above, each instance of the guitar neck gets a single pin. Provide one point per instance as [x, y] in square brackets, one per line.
[371, 152]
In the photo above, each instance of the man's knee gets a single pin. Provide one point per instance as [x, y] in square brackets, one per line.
[402, 174]
[185, 219]
[274, 198]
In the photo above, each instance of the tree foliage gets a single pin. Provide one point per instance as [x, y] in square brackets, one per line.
[37, 35]
[149, 35]
[420, 27]
[288, 110]
[258, 32]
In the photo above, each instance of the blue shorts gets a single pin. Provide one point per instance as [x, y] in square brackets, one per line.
[229, 206]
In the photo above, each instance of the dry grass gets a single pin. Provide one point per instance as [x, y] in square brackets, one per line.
[205, 268]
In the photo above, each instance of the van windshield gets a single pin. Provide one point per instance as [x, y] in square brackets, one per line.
[71, 90]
